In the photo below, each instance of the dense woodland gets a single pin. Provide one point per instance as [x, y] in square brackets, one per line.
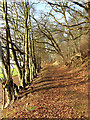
[31, 38]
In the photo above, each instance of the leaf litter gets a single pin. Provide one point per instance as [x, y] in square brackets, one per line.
[57, 93]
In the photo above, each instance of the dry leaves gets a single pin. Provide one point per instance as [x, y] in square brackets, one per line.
[58, 93]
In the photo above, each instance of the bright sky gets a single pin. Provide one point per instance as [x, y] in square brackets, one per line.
[42, 6]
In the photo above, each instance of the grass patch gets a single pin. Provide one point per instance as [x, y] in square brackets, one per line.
[85, 76]
[13, 73]
[32, 108]
[1, 75]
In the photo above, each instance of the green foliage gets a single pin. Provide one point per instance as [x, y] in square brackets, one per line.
[31, 108]
[13, 73]
[1, 75]
[85, 76]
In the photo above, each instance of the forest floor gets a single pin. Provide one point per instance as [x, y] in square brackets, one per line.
[58, 92]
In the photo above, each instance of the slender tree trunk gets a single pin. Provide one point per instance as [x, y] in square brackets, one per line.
[34, 57]
[6, 85]
[27, 78]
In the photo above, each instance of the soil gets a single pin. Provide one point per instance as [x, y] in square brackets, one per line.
[56, 92]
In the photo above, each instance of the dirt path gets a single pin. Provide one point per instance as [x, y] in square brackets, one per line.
[55, 93]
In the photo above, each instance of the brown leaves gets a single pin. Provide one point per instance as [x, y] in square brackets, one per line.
[58, 93]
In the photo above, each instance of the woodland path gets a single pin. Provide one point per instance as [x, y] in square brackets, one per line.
[57, 92]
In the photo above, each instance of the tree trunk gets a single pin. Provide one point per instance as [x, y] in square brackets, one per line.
[27, 78]
[8, 90]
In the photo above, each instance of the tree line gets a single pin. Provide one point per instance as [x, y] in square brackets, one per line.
[27, 42]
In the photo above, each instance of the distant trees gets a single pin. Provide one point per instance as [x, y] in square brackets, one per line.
[74, 18]
[86, 6]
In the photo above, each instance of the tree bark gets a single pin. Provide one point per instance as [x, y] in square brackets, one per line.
[27, 78]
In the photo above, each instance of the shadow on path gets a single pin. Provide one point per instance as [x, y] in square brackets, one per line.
[46, 81]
